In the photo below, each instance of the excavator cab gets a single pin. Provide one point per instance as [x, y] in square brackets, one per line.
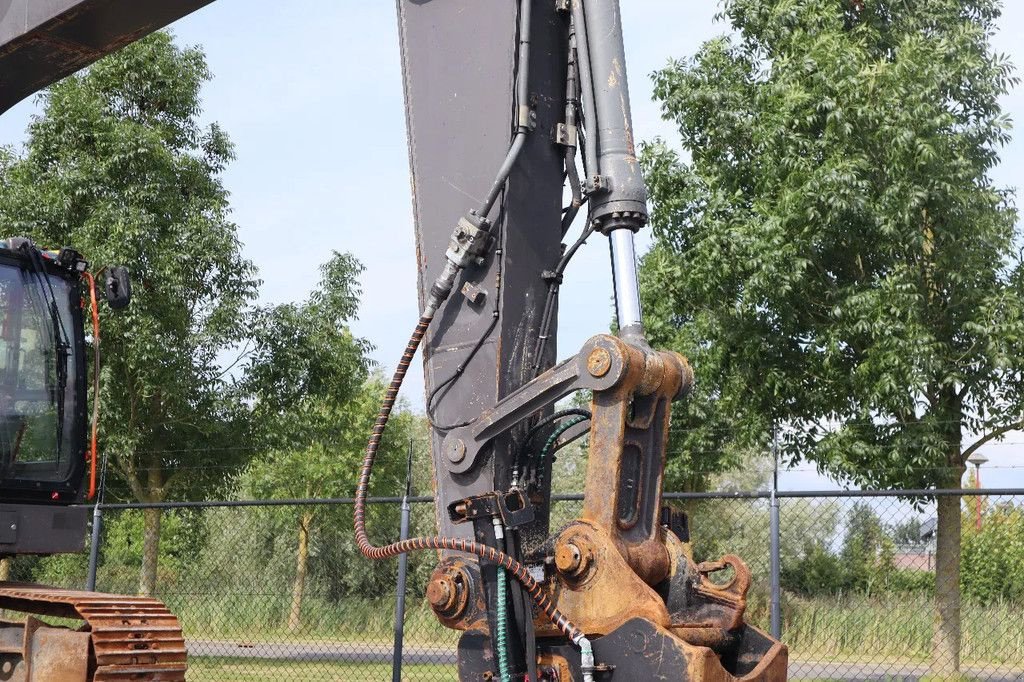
[48, 468]
[43, 396]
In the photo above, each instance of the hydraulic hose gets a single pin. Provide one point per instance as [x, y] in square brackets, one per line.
[370, 551]
[501, 608]
[523, 111]
[579, 25]
[549, 445]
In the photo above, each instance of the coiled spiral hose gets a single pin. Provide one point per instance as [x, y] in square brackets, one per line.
[369, 550]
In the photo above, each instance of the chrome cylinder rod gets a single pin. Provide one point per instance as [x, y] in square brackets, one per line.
[626, 281]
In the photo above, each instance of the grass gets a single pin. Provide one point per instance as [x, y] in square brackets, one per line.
[854, 628]
[252, 670]
[897, 629]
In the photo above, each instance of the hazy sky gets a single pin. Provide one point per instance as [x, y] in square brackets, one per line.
[310, 92]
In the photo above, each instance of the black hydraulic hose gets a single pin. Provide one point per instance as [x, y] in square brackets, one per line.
[579, 24]
[522, 111]
[551, 419]
[518, 143]
[369, 550]
[577, 192]
[549, 303]
[571, 108]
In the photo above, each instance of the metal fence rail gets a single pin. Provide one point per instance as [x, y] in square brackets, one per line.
[277, 588]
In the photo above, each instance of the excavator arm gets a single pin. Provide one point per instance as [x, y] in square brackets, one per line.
[42, 41]
[507, 102]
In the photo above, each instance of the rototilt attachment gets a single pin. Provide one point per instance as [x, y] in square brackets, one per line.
[620, 573]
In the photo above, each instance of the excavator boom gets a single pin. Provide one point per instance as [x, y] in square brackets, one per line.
[42, 41]
[511, 105]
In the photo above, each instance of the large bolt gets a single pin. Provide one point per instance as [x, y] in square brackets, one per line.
[448, 592]
[571, 561]
[599, 362]
[441, 593]
[455, 450]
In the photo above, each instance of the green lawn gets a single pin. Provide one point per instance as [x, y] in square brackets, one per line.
[254, 670]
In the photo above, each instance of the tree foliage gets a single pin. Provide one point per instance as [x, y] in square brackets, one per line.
[313, 404]
[834, 255]
[118, 167]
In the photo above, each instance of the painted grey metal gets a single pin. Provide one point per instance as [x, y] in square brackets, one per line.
[42, 529]
[626, 281]
[775, 550]
[41, 41]
[403, 573]
[458, 63]
[94, 547]
[620, 200]
[776, 571]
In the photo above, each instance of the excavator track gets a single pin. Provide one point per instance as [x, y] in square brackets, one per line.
[132, 638]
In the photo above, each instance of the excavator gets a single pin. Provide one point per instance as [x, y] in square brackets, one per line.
[520, 135]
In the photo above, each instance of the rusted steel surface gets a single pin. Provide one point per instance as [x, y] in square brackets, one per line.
[32, 650]
[595, 586]
[619, 571]
[132, 638]
[41, 41]
[628, 437]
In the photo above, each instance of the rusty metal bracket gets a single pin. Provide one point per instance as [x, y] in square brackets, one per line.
[512, 508]
[676, 521]
[599, 366]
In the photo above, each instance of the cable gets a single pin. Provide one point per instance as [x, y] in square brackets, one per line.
[501, 608]
[369, 550]
[524, 447]
[549, 446]
[95, 383]
[446, 385]
[554, 282]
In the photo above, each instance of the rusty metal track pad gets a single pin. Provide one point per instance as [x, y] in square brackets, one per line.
[133, 638]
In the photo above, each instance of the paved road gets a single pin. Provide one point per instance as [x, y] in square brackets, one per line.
[379, 653]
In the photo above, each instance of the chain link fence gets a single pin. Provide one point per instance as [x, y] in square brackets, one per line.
[279, 591]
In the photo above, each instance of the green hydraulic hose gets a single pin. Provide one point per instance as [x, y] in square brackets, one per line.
[501, 612]
[553, 438]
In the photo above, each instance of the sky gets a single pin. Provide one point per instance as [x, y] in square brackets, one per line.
[310, 92]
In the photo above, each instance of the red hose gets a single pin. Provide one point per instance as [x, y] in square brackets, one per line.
[95, 383]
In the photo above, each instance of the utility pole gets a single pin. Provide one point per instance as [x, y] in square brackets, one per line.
[776, 559]
[403, 569]
[977, 459]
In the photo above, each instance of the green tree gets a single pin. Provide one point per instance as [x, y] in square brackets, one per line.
[119, 167]
[907, 532]
[834, 256]
[993, 558]
[314, 403]
[868, 551]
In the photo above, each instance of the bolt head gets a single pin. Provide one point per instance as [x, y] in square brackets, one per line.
[571, 560]
[599, 363]
[440, 593]
[455, 450]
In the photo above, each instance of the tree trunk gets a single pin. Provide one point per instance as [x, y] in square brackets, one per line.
[301, 566]
[150, 551]
[946, 634]
[151, 528]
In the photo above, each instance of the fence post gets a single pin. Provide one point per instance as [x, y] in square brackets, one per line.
[97, 528]
[403, 568]
[776, 559]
